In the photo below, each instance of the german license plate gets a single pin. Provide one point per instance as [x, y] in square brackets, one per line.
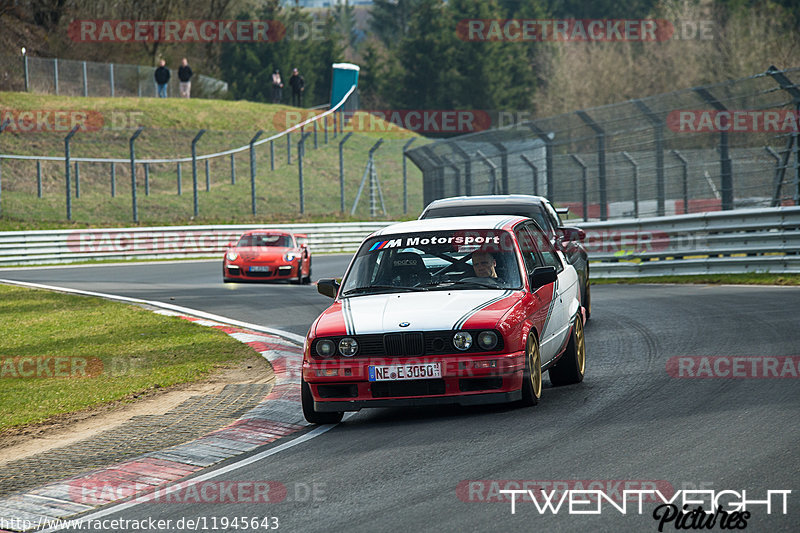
[259, 269]
[401, 372]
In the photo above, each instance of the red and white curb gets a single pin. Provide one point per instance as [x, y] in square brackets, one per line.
[279, 414]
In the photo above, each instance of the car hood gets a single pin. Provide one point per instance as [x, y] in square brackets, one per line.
[253, 252]
[423, 311]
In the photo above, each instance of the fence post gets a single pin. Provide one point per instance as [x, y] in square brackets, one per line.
[67, 165]
[180, 192]
[272, 155]
[208, 179]
[111, 77]
[726, 168]
[635, 183]
[3, 127]
[601, 161]
[194, 170]
[535, 173]
[113, 180]
[301, 148]
[233, 170]
[658, 132]
[325, 128]
[147, 179]
[456, 170]
[289, 148]
[467, 168]
[492, 172]
[55, 74]
[780, 168]
[367, 172]
[253, 169]
[77, 180]
[85, 82]
[547, 138]
[405, 176]
[791, 88]
[133, 173]
[503, 166]
[38, 179]
[684, 180]
[315, 135]
[25, 69]
[583, 166]
[341, 169]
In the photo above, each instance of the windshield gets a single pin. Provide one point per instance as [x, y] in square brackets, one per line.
[447, 260]
[261, 240]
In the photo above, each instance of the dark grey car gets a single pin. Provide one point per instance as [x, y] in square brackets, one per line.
[566, 239]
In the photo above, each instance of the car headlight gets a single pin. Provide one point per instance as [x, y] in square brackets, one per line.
[348, 347]
[487, 340]
[462, 340]
[232, 256]
[325, 348]
[290, 256]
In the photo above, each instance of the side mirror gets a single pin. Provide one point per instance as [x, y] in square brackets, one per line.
[328, 286]
[541, 276]
[569, 234]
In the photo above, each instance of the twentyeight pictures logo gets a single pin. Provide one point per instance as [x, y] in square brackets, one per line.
[50, 120]
[565, 30]
[736, 121]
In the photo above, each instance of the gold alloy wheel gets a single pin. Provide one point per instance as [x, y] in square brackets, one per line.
[580, 345]
[532, 348]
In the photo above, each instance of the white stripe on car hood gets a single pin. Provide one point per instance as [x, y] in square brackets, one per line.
[424, 311]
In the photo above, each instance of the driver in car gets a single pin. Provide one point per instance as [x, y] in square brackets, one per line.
[483, 263]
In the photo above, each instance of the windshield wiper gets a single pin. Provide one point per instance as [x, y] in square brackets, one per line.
[369, 288]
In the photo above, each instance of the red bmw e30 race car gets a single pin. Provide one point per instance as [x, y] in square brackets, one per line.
[266, 255]
[463, 310]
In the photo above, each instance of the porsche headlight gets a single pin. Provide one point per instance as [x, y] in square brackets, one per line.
[232, 256]
[462, 340]
[348, 347]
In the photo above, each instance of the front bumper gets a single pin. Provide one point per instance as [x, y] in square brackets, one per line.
[276, 272]
[461, 382]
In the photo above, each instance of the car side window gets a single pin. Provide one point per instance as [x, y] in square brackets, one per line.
[528, 248]
[548, 254]
[553, 215]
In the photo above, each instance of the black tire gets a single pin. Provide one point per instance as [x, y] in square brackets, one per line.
[307, 279]
[299, 279]
[572, 365]
[532, 377]
[313, 416]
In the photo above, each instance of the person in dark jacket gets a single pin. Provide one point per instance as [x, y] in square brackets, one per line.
[185, 77]
[162, 78]
[298, 85]
[277, 87]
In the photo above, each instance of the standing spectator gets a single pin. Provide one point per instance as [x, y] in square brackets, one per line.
[162, 78]
[277, 87]
[298, 85]
[185, 77]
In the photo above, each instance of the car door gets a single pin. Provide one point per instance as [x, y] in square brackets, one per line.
[556, 327]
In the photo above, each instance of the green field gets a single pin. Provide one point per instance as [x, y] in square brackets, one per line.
[62, 353]
[170, 125]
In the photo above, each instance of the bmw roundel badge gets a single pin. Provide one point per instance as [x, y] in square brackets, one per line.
[405, 324]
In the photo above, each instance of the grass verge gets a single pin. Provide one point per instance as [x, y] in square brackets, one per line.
[710, 279]
[62, 353]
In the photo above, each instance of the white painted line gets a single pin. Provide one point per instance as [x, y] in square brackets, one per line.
[298, 339]
[132, 262]
[179, 485]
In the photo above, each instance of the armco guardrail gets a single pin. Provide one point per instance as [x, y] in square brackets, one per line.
[741, 241]
[66, 246]
[754, 240]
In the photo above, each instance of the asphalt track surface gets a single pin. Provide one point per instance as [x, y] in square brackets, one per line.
[399, 469]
